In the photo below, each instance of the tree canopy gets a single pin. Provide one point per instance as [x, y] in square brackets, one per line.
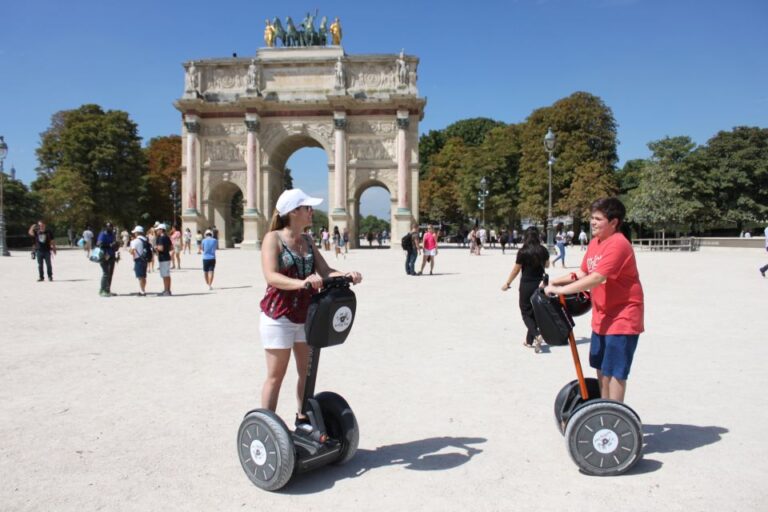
[100, 152]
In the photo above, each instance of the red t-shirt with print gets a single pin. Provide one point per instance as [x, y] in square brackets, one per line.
[617, 304]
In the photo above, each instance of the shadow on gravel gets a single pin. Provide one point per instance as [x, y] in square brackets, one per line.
[434, 454]
[672, 437]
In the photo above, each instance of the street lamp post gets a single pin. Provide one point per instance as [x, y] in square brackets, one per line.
[482, 195]
[174, 199]
[549, 145]
[3, 153]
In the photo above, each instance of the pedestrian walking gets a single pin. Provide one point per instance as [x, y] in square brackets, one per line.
[210, 245]
[43, 245]
[290, 264]
[109, 246]
[336, 237]
[164, 249]
[531, 260]
[88, 241]
[324, 237]
[430, 250]
[125, 237]
[609, 270]
[473, 241]
[176, 242]
[187, 241]
[199, 241]
[410, 243]
[345, 239]
[583, 240]
[560, 244]
[141, 252]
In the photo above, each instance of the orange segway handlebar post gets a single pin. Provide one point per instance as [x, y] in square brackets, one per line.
[576, 360]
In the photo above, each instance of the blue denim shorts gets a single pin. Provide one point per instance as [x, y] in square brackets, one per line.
[612, 354]
[140, 268]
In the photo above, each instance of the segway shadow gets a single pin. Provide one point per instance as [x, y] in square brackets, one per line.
[604, 437]
[269, 452]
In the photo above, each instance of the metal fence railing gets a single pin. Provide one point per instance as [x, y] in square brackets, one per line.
[667, 244]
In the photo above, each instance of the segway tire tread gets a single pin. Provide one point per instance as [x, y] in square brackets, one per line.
[280, 458]
[604, 438]
[340, 423]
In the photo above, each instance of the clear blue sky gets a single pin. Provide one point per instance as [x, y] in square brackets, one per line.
[674, 67]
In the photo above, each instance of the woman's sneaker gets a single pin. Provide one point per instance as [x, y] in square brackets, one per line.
[537, 344]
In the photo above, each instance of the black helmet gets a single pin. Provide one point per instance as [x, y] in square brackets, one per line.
[578, 303]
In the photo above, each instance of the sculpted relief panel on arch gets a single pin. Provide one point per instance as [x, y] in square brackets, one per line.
[222, 150]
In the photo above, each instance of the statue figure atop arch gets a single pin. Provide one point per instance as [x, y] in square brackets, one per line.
[302, 33]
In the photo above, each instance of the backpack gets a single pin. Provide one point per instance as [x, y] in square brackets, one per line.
[146, 250]
[407, 242]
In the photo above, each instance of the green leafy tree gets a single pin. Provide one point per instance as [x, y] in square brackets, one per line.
[439, 198]
[104, 149]
[471, 131]
[628, 178]
[67, 201]
[657, 200]
[735, 166]
[21, 208]
[319, 221]
[371, 223]
[429, 144]
[498, 160]
[586, 133]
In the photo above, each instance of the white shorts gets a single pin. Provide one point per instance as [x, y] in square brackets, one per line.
[430, 252]
[280, 333]
[164, 268]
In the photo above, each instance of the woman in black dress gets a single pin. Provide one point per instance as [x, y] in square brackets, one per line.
[532, 259]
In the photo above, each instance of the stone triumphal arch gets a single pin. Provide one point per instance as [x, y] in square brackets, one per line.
[244, 117]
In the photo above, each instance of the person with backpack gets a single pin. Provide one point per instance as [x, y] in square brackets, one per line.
[210, 245]
[109, 245]
[410, 244]
[530, 263]
[141, 250]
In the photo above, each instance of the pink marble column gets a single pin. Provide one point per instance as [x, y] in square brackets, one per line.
[251, 162]
[340, 161]
[192, 124]
[403, 162]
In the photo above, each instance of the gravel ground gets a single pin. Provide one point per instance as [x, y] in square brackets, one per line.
[133, 403]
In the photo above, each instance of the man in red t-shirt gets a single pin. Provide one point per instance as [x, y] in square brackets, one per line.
[609, 270]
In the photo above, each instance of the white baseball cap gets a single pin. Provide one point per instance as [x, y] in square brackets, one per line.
[289, 200]
[161, 226]
[138, 229]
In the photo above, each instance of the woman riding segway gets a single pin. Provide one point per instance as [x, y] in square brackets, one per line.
[289, 263]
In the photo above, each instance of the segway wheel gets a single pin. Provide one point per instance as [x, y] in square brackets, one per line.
[569, 398]
[340, 422]
[266, 449]
[604, 437]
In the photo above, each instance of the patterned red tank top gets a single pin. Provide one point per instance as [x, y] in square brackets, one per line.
[292, 304]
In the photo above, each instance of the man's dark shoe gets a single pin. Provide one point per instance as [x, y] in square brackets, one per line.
[41, 279]
[762, 272]
[50, 278]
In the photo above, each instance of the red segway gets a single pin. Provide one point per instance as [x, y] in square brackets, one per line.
[604, 437]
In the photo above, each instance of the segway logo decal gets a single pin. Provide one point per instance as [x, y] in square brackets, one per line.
[342, 319]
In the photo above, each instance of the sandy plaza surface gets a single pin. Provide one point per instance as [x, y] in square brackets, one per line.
[133, 403]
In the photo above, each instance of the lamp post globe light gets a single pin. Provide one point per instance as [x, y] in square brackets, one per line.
[549, 145]
[3, 153]
[482, 195]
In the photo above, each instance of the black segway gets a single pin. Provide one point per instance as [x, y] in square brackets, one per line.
[269, 452]
[604, 437]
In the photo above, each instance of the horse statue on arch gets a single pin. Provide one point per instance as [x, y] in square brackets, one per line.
[309, 34]
[291, 34]
[279, 31]
[322, 32]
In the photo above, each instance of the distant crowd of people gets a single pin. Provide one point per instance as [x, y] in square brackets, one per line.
[156, 244]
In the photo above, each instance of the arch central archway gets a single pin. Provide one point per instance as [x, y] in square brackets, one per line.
[244, 117]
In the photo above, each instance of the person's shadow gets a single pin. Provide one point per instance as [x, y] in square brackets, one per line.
[433, 454]
[672, 437]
